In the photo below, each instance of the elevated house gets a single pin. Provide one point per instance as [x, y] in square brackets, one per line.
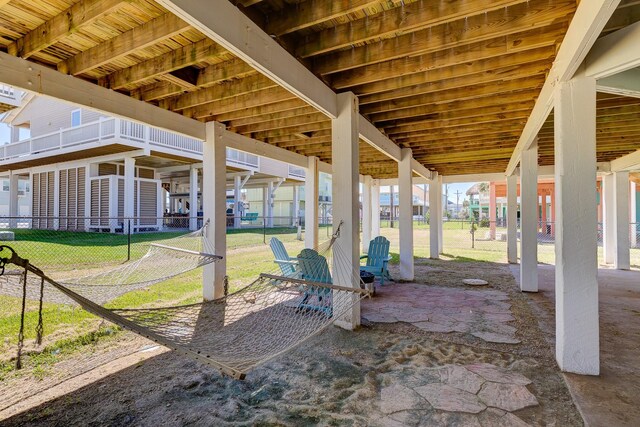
[75, 168]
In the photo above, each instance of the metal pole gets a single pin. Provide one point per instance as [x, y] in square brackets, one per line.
[129, 240]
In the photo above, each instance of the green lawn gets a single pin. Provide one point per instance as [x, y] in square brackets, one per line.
[247, 257]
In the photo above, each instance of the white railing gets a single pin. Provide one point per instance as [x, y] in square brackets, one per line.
[242, 158]
[296, 172]
[7, 91]
[101, 130]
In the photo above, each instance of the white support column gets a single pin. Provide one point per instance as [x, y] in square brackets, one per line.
[344, 149]
[214, 172]
[633, 229]
[440, 210]
[13, 199]
[529, 220]
[129, 189]
[56, 199]
[366, 213]
[237, 184]
[311, 194]
[193, 199]
[269, 204]
[622, 258]
[405, 220]
[608, 219]
[375, 208]
[434, 218]
[577, 328]
[90, 170]
[296, 206]
[512, 219]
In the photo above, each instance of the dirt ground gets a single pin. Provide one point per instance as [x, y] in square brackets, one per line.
[338, 378]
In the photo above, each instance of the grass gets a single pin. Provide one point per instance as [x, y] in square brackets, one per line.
[247, 257]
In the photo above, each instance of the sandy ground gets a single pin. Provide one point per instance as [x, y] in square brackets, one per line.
[338, 378]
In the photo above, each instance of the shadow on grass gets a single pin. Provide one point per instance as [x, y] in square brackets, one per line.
[463, 258]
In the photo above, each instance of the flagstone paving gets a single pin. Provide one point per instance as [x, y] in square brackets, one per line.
[462, 395]
[483, 313]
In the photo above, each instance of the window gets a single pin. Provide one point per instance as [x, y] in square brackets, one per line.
[76, 118]
[5, 185]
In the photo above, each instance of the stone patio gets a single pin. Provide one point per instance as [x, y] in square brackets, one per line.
[471, 395]
[483, 313]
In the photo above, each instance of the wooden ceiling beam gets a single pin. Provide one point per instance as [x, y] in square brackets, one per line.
[212, 109]
[263, 110]
[399, 20]
[312, 12]
[183, 57]
[539, 43]
[234, 124]
[81, 14]
[503, 22]
[459, 94]
[499, 67]
[426, 113]
[214, 93]
[284, 123]
[496, 119]
[512, 73]
[143, 36]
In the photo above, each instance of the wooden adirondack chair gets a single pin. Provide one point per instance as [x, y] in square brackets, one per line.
[314, 268]
[288, 266]
[377, 259]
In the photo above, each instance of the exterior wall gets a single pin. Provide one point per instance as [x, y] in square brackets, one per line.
[46, 116]
[24, 197]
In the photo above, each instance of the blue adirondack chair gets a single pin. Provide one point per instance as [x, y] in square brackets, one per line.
[377, 259]
[288, 266]
[314, 268]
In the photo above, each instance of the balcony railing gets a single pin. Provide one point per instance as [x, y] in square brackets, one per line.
[101, 130]
[243, 159]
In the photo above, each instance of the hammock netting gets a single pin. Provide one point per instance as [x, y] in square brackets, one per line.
[269, 316]
[164, 260]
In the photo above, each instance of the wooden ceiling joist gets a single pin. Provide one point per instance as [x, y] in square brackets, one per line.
[82, 13]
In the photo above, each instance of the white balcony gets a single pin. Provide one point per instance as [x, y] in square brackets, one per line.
[108, 130]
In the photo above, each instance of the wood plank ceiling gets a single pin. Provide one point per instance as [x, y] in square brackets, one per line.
[453, 80]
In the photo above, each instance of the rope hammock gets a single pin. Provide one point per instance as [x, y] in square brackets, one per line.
[163, 261]
[233, 334]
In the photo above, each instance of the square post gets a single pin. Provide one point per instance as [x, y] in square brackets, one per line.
[608, 219]
[296, 206]
[492, 210]
[13, 199]
[633, 229]
[366, 213]
[237, 184]
[577, 328]
[193, 199]
[214, 178]
[622, 259]
[440, 224]
[311, 195]
[512, 219]
[434, 218]
[345, 151]
[375, 208]
[269, 204]
[129, 188]
[529, 220]
[405, 221]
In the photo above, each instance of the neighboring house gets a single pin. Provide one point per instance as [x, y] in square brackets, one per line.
[101, 170]
[420, 202]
